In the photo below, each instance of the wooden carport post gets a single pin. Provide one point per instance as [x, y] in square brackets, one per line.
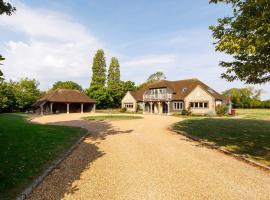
[67, 108]
[81, 107]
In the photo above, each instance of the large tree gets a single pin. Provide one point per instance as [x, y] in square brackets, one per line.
[246, 36]
[26, 93]
[97, 89]
[98, 70]
[114, 74]
[8, 9]
[156, 77]
[66, 85]
[246, 97]
[114, 87]
[1, 73]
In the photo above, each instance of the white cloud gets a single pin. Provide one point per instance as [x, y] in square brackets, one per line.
[56, 47]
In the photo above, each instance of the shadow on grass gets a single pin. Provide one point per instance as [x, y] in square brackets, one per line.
[247, 137]
[62, 181]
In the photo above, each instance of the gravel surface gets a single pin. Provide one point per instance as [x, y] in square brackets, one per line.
[141, 159]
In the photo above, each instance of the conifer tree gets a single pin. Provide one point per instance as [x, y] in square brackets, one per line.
[98, 70]
[98, 90]
[114, 74]
[114, 86]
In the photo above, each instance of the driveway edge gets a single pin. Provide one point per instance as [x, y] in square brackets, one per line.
[212, 146]
[26, 192]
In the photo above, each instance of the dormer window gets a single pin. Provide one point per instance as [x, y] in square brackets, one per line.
[184, 89]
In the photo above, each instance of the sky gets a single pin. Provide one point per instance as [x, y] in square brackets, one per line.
[56, 40]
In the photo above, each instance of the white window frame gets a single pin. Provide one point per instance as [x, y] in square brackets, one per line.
[197, 104]
[177, 105]
[128, 105]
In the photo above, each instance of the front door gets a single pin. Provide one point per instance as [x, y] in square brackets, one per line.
[164, 107]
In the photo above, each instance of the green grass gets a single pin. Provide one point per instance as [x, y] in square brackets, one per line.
[27, 149]
[249, 137]
[112, 117]
[253, 113]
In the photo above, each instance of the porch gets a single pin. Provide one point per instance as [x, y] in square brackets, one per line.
[156, 107]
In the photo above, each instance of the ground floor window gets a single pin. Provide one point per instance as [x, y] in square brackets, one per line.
[128, 105]
[199, 104]
[177, 105]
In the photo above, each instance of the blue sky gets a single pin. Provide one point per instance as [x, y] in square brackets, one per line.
[56, 40]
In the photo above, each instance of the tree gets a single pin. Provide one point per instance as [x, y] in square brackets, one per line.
[6, 8]
[114, 74]
[246, 97]
[245, 35]
[156, 77]
[152, 78]
[1, 73]
[66, 85]
[127, 86]
[114, 87]
[97, 89]
[98, 70]
[26, 92]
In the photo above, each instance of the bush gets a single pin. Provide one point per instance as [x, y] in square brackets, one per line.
[122, 110]
[221, 110]
[210, 114]
[186, 112]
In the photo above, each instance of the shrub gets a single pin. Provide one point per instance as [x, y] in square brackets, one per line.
[221, 110]
[210, 114]
[186, 112]
[122, 110]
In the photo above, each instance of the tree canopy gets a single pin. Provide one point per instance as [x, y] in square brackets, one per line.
[114, 87]
[98, 70]
[66, 85]
[1, 73]
[6, 8]
[246, 97]
[18, 96]
[156, 77]
[98, 89]
[246, 36]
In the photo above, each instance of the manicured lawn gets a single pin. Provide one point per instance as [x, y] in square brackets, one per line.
[254, 113]
[27, 149]
[250, 137]
[112, 117]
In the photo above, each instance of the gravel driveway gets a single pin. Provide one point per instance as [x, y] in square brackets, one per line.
[141, 159]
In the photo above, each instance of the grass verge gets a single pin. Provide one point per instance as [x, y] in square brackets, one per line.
[27, 149]
[248, 137]
[112, 117]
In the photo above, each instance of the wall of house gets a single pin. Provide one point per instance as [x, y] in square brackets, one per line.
[200, 95]
[128, 98]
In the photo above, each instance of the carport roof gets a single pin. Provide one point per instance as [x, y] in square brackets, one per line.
[65, 96]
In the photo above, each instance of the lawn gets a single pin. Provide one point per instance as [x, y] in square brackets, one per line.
[27, 149]
[112, 117]
[253, 113]
[249, 137]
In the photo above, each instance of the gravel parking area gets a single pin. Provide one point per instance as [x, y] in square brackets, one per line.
[142, 159]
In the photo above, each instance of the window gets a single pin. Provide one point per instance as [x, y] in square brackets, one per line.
[184, 89]
[178, 105]
[128, 105]
[199, 104]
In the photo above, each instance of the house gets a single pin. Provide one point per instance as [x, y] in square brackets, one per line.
[64, 101]
[173, 96]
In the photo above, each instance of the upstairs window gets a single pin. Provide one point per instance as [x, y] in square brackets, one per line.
[184, 89]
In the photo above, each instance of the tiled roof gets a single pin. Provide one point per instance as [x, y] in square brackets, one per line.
[65, 96]
[180, 88]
